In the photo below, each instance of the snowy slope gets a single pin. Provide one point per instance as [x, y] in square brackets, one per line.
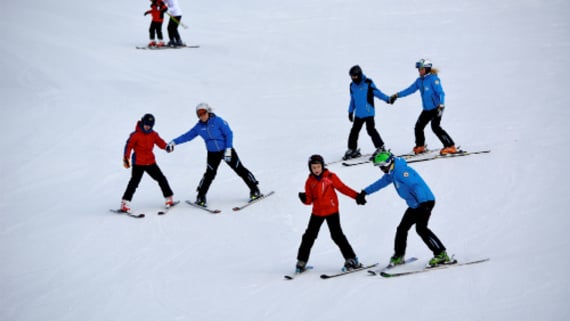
[73, 87]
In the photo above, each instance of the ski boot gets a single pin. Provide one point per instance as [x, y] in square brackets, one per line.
[441, 258]
[160, 44]
[351, 264]
[125, 206]
[352, 153]
[200, 200]
[300, 267]
[254, 194]
[168, 202]
[419, 149]
[152, 44]
[448, 150]
[397, 260]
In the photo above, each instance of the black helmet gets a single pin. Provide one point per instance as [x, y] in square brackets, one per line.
[148, 119]
[355, 74]
[316, 159]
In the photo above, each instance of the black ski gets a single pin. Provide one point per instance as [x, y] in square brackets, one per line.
[164, 211]
[141, 215]
[459, 153]
[167, 47]
[329, 276]
[428, 269]
[205, 208]
[264, 196]
[390, 266]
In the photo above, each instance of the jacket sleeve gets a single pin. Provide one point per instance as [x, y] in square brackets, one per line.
[159, 141]
[186, 137]
[438, 91]
[410, 90]
[308, 193]
[378, 185]
[351, 105]
[341, 187]
[227, 133]
[378, 93]
[129, 145]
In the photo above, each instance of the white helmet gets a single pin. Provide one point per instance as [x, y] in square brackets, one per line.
[423, 63]
[203, 106]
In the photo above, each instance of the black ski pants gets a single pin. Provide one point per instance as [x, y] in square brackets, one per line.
[370, 129]
[136, 176]
[214, 160]
[315, 222]
[420, 217]
[155, 29]
[431, 116]
[172, 28]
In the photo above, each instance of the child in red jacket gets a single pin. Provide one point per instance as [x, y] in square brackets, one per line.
[142, 141]
[157, 9]
[320, 191]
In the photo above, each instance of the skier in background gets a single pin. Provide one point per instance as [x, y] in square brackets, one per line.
[142, 142]
[157, 10]
[320, 191]
[175, 18]
[361, 111]
[412, 188]
[433, 102]
[219, 142]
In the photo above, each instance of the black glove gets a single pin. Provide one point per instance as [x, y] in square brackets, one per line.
[392, 99]
[350, 117]
[360, 200]
[146, 13]
[303, 197]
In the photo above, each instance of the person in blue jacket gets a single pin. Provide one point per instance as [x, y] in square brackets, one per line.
[433, 102]
[361, 111]
[219, 143]
[420, 199]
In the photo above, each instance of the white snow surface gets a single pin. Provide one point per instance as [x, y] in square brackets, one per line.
[73, 86]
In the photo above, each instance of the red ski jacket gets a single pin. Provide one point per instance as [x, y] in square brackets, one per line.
[143, 143]
[321, 192]
[157, 10]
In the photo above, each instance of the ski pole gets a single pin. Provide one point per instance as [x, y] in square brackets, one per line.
[177, 22]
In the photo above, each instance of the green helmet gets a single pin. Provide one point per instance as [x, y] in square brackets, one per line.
[384, 159]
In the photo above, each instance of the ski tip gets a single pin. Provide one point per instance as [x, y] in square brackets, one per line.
[372, 273]
[288, 277]
[324, 276]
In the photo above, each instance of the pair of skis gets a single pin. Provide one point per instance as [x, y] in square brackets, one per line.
[386, 271]
[167, 47]
[141, 215]
[423, 157]
[236, 208]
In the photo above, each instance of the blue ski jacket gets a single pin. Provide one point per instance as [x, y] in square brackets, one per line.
[362, 97]
[408, 183]
[216, 134]
[430, 88]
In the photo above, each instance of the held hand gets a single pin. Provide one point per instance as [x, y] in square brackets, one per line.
[303, 197]
[393, 99]
[126, 163]
[228, 155]
[170, 147]
[440, 110]
[350, 117]
[360, 198]
[146, 13]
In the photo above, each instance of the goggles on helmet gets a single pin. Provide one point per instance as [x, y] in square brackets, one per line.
[384, 160]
